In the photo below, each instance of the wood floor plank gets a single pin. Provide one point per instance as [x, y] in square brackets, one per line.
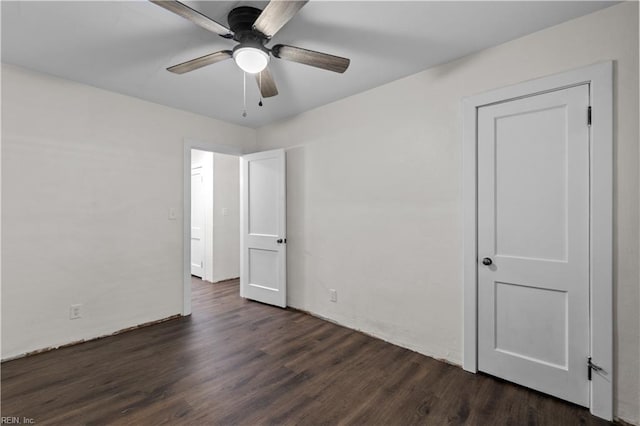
[237, 362]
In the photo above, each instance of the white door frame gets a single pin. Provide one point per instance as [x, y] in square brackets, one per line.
[188, 145]
[600, 79]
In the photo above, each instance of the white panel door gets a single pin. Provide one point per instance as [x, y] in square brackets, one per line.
[197, 222]
[533, 242]
[263, 228]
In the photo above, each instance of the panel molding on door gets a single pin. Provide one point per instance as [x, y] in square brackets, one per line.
[263, 228]
[533, 224]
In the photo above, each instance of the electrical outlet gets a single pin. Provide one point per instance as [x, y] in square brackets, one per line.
[225, 211]
[172, 214]
[333, 295]
[75, 312]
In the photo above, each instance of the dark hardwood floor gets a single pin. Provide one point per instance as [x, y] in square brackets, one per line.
[240, 362]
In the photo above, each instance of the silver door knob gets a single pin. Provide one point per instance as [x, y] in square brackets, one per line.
[487, 261]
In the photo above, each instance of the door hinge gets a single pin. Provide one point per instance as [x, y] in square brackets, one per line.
[592, 367]
[589, 116]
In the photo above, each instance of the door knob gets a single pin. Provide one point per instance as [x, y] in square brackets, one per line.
[279, 241]
[487, 261]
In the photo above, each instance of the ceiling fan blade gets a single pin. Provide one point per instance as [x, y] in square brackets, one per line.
[276, 14]
[194, 16]
[311, 57]
[200, 62]
[266, 84]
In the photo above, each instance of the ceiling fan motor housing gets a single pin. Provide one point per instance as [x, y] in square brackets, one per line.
[241, 20]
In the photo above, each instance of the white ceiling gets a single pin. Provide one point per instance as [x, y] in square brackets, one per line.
[126, 46]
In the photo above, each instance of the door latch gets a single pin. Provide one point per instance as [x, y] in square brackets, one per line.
[280, 241]
[592, 367]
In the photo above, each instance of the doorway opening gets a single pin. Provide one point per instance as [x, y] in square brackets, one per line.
[257, 181]
[211, 212]
[215, 216]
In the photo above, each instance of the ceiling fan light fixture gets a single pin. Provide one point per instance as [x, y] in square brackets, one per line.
[251, 59]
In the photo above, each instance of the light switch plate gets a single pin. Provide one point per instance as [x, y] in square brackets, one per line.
[75, 311]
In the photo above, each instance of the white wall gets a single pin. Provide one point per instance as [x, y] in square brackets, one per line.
[226, 231]
[88, 177]
[374, 193]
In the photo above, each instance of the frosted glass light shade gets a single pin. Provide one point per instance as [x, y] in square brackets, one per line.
[250, 59]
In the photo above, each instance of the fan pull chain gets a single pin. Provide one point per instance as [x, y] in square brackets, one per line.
[260, 86]
[244, 93]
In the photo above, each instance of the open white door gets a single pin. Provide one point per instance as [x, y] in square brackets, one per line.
[263, 228]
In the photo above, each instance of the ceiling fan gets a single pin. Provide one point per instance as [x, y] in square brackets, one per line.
[253, 29]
